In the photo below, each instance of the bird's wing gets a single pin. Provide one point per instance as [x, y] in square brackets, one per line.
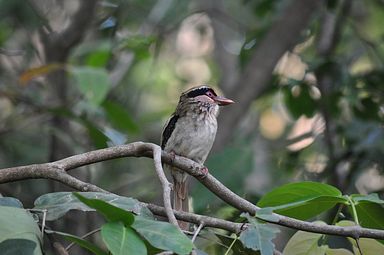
[168, 129]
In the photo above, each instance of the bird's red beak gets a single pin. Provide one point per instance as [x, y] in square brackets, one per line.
[222, 100]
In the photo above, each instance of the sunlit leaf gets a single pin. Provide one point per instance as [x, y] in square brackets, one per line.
[302, 200]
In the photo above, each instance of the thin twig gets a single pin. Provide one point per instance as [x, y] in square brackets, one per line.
[82, 237]
[197, 232]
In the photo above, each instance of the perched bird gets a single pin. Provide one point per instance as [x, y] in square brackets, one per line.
[190, 132]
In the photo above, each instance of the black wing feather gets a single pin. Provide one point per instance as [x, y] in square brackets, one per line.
[168, 130]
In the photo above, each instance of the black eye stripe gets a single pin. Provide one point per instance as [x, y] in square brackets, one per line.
[200, 91]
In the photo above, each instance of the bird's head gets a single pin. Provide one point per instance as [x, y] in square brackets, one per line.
[203, 98]
[204, 94]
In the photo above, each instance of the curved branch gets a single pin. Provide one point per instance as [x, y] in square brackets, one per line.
[140, 149]
[165, 185]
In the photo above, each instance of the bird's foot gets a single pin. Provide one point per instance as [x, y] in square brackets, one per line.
[203, 172]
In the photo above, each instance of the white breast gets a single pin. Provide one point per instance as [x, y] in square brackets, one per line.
[193, 136]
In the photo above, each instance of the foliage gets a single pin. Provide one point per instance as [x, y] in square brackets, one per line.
[310, 146]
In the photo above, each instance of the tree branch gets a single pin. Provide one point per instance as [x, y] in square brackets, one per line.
[139, 149]
[165, 185]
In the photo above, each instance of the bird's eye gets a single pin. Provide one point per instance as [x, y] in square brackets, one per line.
[209, 93]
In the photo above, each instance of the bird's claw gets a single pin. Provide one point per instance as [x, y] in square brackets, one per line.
[203, 172]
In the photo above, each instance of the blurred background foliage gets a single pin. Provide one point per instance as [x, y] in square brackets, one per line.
[81, 75]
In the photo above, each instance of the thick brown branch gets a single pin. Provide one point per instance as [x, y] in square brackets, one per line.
[140, 149]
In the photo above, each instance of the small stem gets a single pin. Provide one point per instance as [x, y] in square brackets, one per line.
[341, 206]
[354, 213]
[197, 231]
[230, 247]
[356, 220]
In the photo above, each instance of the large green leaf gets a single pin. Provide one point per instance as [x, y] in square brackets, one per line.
[92, 82]
[110, 212]
[122, 240]
[163, 235]
[258, 236]
[305, 243]
[81, 242]
[370, 210]
[18, 227]
[302, 200]
[59, 203]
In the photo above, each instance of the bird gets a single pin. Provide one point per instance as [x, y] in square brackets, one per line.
[190, 132]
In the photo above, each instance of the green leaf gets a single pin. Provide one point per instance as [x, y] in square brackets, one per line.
[10, 201]
[110, 212]
[258, 236]
[98, 58]
[374, 198]
[98, 138]
[163, 235]
[92, 82]
[122, 240]
[367, 245]
[59, 203]
[370, 215]
[305, 243]
[17, 246]
[18, 224]
[81, 242]
[340, 251]
[119, 117]
[302, 200]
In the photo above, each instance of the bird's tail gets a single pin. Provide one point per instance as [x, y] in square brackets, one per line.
[180, 199]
